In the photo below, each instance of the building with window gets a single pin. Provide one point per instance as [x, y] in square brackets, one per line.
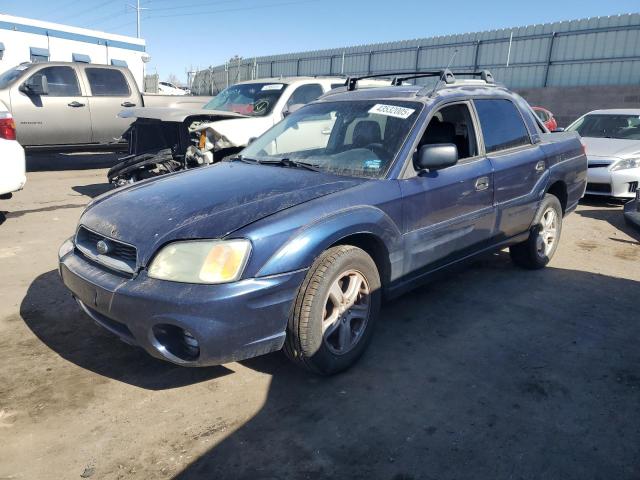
[26, 40]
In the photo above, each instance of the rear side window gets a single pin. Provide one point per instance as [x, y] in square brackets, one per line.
[62, 81]
[106, 82]
[502, 125]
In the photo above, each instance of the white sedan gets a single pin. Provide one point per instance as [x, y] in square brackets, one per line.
[166, 88]
[612, 141]
[12, 163]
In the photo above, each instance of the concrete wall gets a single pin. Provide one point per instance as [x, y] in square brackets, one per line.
[569, 103]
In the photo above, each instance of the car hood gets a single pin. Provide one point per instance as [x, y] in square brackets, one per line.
[209, 202]
[611, 147]
[168, 114]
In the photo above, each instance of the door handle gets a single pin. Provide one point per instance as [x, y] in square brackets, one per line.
[326, 131]
[482, 183]
[75, 104]
[127, 104]
[540, 166]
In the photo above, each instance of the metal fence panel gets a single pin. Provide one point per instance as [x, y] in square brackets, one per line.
[590, 51]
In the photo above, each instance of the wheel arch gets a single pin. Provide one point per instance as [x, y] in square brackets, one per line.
[559, 190]
[375, 247]
[368, 228]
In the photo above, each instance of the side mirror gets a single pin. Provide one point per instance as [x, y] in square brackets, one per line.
[251, 140]
[292, 109]
[436, 156]
[36, 85]
[558, 130]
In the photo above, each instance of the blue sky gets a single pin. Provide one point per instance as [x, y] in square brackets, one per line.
[208, 32]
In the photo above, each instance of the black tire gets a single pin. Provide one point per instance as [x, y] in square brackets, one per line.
[527, 254]
[304, 343]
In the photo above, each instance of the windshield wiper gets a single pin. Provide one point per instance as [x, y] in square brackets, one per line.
[287, 162]
[242, 158]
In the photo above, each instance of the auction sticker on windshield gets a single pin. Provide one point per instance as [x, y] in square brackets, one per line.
[273, 86]
[392, 111]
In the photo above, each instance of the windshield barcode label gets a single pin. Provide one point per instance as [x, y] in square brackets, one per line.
[392, 111]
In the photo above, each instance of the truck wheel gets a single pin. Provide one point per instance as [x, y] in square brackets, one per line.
[335, 311]
[539, 248]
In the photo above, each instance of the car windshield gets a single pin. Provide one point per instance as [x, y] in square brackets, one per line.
[10, 75]
[357, 138]
[620, 126]
[255, 99]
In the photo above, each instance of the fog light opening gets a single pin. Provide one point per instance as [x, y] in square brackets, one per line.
[176, 342]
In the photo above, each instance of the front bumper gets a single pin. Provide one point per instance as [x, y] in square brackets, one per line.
[619, 183]
[230, 322]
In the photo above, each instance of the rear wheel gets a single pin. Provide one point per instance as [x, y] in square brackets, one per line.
[335, 311]
[538, 250]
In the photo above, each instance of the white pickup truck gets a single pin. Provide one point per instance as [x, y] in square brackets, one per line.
[71, 104]
[163, 140]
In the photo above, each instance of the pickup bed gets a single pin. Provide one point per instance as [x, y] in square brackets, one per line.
[65, 104]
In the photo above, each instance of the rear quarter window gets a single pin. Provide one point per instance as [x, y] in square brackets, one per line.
[502, 125]
[107, 82]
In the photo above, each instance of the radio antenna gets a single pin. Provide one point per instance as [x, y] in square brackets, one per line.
[444, 72]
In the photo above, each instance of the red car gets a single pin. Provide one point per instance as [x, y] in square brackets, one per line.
[547, 118]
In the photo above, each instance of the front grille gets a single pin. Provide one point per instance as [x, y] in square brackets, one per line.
[598, 165]
[633, 187]
[599, 187]
[119, 256]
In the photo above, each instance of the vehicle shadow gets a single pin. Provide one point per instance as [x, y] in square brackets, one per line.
[493, 372]
[52, 161]
[611, 213]
[93, 190]
[53, 316]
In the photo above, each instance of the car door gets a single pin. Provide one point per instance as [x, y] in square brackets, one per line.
[109, 94]
[319, 128]
[448, 213]
[60, 117]
[518, 163]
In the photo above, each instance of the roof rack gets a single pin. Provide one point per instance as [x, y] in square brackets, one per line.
[397, 78]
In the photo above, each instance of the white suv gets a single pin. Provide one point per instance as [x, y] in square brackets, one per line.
[12, 163]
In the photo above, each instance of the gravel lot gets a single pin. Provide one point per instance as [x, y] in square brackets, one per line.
[492, 372]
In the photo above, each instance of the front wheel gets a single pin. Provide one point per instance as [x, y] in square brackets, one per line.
[538, 250]
[335, 311]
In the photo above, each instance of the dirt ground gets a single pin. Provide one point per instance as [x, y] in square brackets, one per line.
[489, 373]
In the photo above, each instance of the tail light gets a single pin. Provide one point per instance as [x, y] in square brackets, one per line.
[7, 127]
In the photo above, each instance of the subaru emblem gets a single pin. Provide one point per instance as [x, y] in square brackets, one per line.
[102, 247]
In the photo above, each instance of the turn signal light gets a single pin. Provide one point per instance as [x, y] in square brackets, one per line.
[7, 128]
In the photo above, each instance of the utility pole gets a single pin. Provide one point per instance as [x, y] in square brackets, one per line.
[138, 9]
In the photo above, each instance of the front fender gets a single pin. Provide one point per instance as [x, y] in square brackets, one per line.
[306, 243]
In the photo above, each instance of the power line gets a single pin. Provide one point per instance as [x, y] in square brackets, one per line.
[213, 12]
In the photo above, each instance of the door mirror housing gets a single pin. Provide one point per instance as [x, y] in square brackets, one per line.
[36, 85]
[292, 109]
[436, 156]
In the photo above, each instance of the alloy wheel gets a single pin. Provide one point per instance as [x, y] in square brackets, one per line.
[346, 312]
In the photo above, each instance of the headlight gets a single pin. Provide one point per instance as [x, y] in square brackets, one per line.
[201, 261]
[625, 164]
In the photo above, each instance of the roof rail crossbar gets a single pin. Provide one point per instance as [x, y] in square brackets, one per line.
[483, 74]
[352, 82]
[445, 75]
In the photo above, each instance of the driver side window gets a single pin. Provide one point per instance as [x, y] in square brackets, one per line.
[62, 81]
[305, 94]
[452, 124]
